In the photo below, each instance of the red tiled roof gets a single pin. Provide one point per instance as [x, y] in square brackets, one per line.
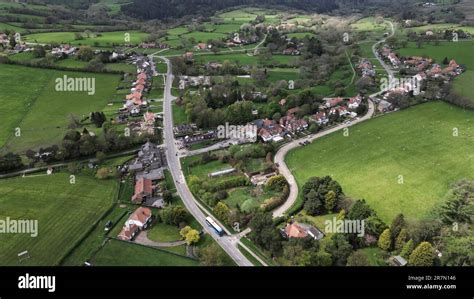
[141, 214]
[143, 187]
[295, 231]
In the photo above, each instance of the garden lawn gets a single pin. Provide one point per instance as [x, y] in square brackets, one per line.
[244, 199]
[416, 145]
[65, 212]
[162, 232]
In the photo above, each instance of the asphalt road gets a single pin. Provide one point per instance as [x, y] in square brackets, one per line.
[281, 154]
[229, 242]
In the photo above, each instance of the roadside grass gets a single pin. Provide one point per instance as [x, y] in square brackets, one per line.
[249, 256]
[64, 211]
[120, 253]
[179, 115]
[416, 145]
[263, 256]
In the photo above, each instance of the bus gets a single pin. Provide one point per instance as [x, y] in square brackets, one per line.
[214, 226]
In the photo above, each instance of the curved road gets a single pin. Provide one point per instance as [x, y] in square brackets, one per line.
[280, 155]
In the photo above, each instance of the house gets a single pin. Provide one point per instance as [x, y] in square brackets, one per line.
[384, 106]
[138, 220]
[355, 102]
[301, 230]
[188, 56]
[398, 261]
[184, 129]
[201, 46]
[139, 88]
[147, 45]
[293, 230]
[135, 97]
[320, 118]
[286, 27]
[4, 41]
[268, 130]
[291, 51]
[199, 137]
[366, 68]
[342, 110]
[195, 81]
[394, 59]
[293, 124]
[213, 66]
[332, 102]
[452, 69]
[221, 172]
[147, 126]
[152, 175]
[152, 156]
[64, 50]
[143, 190]
[435, 71]
[142, 75]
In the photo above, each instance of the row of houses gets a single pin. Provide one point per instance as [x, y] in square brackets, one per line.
[135, 101]
[148, 170]
[271, 130]
[389, 55]
[337, 106]
[194, 81]
[64, 51]
[152, 45]
[425, 70]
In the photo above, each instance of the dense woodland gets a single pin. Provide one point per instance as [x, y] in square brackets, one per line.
[165, 9]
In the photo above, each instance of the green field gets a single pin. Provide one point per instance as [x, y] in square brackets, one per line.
[107, 38]
[64, 212]
[41, 112]
[367, 24]
[118, 253]
[460, 51]
[416, 144]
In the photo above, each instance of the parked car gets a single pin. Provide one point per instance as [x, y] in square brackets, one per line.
[108, 225]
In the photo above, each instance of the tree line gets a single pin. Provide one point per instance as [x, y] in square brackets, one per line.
[166, 9]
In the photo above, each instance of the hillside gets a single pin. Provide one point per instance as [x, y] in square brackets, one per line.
[165, 9]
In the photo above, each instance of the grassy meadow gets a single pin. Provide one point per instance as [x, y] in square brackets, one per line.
[41, 112]
[416, 146]
[64, 212]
